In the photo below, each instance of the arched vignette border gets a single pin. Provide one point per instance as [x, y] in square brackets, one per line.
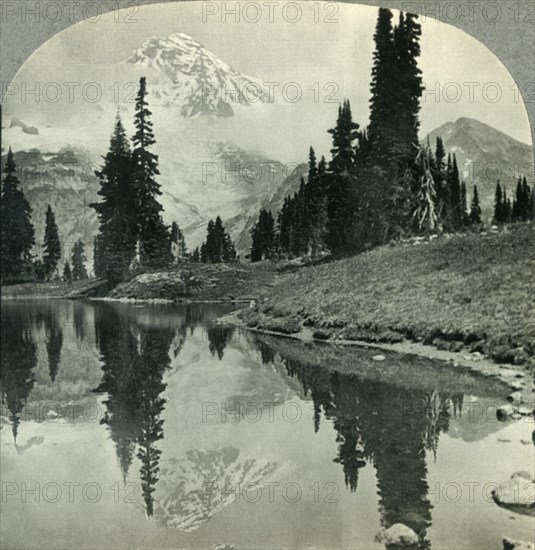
[511, 38]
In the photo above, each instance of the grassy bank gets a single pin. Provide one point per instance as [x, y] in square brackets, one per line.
[464, 292]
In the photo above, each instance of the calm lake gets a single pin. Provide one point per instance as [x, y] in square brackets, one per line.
[149, 426]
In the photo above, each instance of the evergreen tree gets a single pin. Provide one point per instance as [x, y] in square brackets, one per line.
[214, 241]
[78, 262]
[441, 184]
[218, 246]
[315, 215]
[341, 199]
[153, 234]
[425, 215]
[440, 154]
[465, 215]
[507, 207]
[196, 255]
[229, 252]
[384, 107]
[17, 235]
[499, 205]
[115, 245]
[409, 86]
[299, 223]
[175, 232]
[521, 204]
[392, 137]
[526, 190]
[178, 242]
[52, 246]
[284, 226]
[475, 209]
[263, 237]
[455, 192]
[98, 267]
[67, 273]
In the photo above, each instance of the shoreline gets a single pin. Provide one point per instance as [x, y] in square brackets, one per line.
[516, 377]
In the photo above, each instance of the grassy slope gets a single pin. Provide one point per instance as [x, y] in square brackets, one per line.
[472, 291]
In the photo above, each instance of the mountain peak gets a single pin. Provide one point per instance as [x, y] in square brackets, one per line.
[485, 154]
[194, 79]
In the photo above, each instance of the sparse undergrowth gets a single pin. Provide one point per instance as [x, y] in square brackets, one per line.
[464, 292]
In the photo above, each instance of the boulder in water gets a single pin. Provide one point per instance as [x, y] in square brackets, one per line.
[517, 494]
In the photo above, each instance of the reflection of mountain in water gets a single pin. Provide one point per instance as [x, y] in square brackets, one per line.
[388, 424]
[193, 489]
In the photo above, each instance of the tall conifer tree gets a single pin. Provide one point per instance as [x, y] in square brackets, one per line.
[79, 271]
[115, 248]
[154, 239]
[475, 209]
[341, 207]
[52, 246]
[17, 235]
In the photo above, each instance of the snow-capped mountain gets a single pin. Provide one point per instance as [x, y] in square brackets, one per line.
[194, 79]
[201, 106]
[189, 493]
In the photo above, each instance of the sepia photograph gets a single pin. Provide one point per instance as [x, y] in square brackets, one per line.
[267, 275]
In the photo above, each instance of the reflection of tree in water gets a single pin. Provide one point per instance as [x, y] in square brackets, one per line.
[47, 326]
[347, 425]
[218, 337]
[118, 347]
[266, 352]
[135, 358]
[78, 319]
[154, 352]
[194, 316]
[54, 342]
[17, 362]
[389, 426]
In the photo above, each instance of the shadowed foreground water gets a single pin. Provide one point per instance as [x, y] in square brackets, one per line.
[152, 427]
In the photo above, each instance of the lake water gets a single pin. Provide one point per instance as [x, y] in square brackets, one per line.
[149, 426]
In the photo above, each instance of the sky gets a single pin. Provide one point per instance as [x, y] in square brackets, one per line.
[327, 51]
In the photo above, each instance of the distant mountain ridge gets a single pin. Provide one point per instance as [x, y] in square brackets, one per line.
[485, 154]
